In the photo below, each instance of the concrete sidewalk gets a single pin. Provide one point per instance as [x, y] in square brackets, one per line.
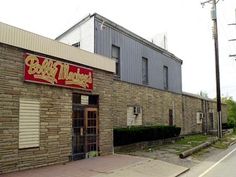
[106, 166]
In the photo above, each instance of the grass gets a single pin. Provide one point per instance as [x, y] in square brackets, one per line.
[225, 141]
[181, 145]
[177, 147]
[192, 140]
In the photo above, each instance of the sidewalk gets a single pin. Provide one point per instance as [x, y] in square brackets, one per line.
[106, 166]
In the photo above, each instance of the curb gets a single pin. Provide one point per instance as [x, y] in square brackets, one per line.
[183, 172]
[232, 143]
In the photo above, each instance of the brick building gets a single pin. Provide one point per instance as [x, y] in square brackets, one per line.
[60, 103]
[147, 78]
[43, 121]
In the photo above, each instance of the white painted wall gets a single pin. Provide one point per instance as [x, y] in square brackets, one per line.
[83, 34]
[133, 119]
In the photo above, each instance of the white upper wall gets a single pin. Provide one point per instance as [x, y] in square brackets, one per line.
[26, 40]
[83, 33]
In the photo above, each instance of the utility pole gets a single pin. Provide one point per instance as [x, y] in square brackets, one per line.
[217, 67]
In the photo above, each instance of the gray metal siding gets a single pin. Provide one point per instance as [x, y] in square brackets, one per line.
[131, 53]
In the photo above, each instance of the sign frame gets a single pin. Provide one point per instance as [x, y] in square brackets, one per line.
[81, 70]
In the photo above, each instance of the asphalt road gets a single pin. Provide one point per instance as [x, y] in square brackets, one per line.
[220, 165]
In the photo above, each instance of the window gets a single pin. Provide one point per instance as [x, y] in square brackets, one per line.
[144, 70]
[171, 121]
[115, 54]
[165, 77]
[211, 118]
[134, 115]
[200, 116]
[29, 122]
[77, 44]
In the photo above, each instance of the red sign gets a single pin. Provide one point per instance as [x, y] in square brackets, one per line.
[43, 70]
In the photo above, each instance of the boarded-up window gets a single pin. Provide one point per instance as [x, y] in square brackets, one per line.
[29, 123]
[134, 118]
[199, 117]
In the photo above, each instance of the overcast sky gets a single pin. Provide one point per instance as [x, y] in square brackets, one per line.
[187, 24]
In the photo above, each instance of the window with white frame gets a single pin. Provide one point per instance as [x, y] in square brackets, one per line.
[134, 115]
[115, 54]
[199, 117]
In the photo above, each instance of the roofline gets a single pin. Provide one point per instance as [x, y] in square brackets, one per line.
[124, 30]
[200, 97]
[130, 33]
[197, 96]
[86, 18]
[20, 38]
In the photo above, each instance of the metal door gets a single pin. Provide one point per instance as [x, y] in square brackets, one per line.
[91, 137]
[78, 136]
[85, 132]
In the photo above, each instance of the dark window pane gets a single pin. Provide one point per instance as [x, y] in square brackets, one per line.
[115, 54]
[93, 99]
[165, 77]
[144, 70]
[76, 98]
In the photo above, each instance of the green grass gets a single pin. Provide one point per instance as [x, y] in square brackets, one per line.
[220, 145]
[192, 140]
[181, 145]
[225, 141]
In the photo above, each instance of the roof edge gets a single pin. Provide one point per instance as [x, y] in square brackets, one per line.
[197, 96]
[85, 19]
[121, 28]
[20, 38]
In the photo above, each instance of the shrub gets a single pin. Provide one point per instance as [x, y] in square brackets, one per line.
[123, 136]
[227, 125]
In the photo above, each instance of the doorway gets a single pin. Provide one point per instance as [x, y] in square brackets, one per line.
[84, 126]
[211, 118]
[171, 121]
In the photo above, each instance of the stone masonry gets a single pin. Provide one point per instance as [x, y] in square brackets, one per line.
[192, 105]
[115, 97]
[55, 115]
[155, 104]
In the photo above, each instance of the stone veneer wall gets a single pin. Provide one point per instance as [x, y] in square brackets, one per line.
[192, 105]
[55, 115]
[56, 109]
[155, 104]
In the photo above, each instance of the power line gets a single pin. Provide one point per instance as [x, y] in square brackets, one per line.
[232, 40]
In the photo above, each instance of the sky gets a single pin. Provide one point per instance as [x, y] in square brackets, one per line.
[187, 24]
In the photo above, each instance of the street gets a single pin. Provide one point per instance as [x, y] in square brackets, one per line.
[220, 165]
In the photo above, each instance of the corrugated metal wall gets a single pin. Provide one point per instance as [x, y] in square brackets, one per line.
[131, 53]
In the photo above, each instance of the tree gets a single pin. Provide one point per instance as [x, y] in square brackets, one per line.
[231, 110]
[203, 94]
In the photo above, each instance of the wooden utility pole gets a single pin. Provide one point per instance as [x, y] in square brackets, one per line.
[217, 67]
